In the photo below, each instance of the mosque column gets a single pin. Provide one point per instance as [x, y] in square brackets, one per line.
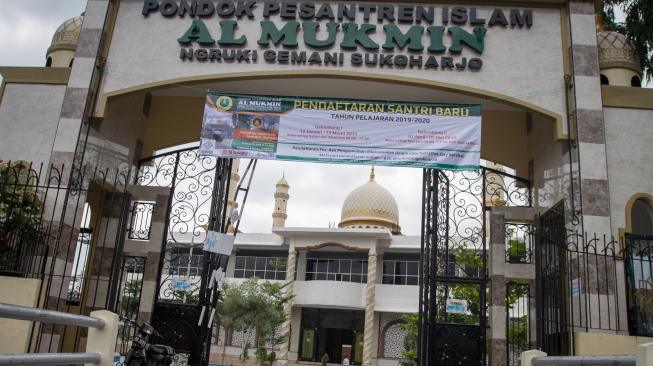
[287, 308]
[368, 336]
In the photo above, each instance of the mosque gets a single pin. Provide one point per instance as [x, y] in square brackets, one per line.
[103, 139]
[330, 280]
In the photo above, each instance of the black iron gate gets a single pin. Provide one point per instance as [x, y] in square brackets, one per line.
[69, 234]
[639, 282]
[452, 273]
[453, 268]
[185, 300]
[553, 333]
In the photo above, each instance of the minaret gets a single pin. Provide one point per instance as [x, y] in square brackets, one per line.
[281, 197]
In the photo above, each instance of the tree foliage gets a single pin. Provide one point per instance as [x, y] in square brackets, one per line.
[132, 297]
[255, 305]
[637, 27]
[20, 212]
[410, 324]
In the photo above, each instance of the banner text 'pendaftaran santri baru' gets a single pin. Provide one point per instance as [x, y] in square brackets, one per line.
[342, 131]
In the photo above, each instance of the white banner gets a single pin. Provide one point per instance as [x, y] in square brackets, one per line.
[338, 131]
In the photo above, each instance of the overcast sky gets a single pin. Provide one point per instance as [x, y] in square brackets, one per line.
[27, 26]
[317, 191]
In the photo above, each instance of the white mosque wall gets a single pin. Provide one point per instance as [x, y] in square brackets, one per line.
[113, 142]
[330, 294]
[29, 115]
[551, 165]
[629, 138]
[396, 298]
[526, 64]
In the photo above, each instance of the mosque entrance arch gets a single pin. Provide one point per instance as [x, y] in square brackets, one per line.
[455, 236]
[453, 270]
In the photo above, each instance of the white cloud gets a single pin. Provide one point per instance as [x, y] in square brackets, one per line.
[317, 190]
[27, 26]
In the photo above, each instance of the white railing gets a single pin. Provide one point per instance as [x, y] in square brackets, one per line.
[102, 333]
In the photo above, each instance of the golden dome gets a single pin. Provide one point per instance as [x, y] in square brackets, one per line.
[67, 34]
[616, 51]
[370, 206]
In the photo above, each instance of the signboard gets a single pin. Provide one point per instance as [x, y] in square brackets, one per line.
[342, 131]
[455, 306]
[421, 36]
[181, 283]
[219, 243]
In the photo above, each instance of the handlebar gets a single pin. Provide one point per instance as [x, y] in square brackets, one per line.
[145, 327]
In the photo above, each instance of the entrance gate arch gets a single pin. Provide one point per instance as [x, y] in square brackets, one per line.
[453, 264]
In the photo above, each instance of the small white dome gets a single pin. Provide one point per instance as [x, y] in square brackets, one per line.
[370, 206]
[68, 33]
[616, 51]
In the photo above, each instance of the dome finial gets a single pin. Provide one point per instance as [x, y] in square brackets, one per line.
[372, 174]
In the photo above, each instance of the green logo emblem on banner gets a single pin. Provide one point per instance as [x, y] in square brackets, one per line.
[224, 103]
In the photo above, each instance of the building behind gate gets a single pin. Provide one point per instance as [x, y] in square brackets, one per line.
[103, 204]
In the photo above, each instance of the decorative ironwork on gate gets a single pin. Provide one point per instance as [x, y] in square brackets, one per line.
[517, 321]
[580, 284]
[453, 277]
[191, 179]
[200, 200]
[47, 231]
[140, 226]
[639, 280]
[129, 301]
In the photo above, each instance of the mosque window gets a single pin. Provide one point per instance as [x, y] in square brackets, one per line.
[642, 218]
[345, 270]
[400, 272]
[269, 268]
[48, 62]
[604, 80]
[636, 82]
[393, 341]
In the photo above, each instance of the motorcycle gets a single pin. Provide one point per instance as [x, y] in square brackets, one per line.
[142, 353]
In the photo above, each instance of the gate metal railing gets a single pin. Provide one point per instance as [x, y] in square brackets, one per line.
[69, 234]
[454, 260]
[588, 283]
[580, 288]
[639, 281]
[517, 320]
[203, 198]
[99, 343]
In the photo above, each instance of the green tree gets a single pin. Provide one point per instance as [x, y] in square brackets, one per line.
[410, 324]
[131, 299]
[517, 327]
[637, 26]
[517, 251]
[255, 305]
[20, 213]
[187, 297]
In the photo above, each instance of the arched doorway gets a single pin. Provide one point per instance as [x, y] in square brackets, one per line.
[638, 247]
[173, 116]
